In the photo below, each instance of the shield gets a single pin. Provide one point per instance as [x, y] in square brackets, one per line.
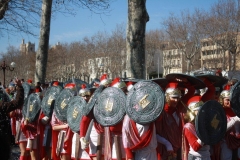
[211, 122]
[75, 112]
[161, 82]
[32, 107]
[49, 100]
[26, 88]
[92, 100]
[78, 83]
[217, 80]
[60, 106]
[235, 98]
[182, 79]
[110, 106]
[145, 102]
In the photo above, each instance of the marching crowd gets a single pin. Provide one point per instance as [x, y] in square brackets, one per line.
[170, 136]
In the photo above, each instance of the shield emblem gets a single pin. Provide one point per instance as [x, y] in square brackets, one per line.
[217, 80]
[88, 107]
[235, 98]
[61, 104]
[49, 100]
[75, 112]
[211, 122]
[32, 107]
[78, 83]
[145, 102]
[110, 106]
[182, 79]
[26, 88]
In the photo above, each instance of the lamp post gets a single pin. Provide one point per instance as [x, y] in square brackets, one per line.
[4, 67]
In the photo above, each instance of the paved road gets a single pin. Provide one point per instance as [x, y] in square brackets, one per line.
[15, 152]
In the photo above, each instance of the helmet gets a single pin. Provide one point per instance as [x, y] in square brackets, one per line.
[84, 91]
[118, 83]
[225, 93]
[104, 80]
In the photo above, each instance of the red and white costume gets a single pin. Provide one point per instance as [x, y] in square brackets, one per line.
[193, 147]
[139, 141]
[97, 129]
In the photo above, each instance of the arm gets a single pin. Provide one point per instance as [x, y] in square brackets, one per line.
[16, 103]
[193, 141]
[165, 142]
[59, 127]
[232, 121]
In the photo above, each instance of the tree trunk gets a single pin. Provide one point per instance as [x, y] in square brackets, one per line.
[188, 66]
[233, 61]
[42, 53]
[135, 43]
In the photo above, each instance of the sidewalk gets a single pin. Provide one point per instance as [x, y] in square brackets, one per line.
[15, 152]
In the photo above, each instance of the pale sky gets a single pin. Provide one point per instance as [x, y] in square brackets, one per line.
[69, 29]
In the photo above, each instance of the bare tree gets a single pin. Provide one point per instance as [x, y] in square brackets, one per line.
[185, 35]
[222, 27]
[137, 19]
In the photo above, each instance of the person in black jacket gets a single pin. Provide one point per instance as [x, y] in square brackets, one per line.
[5, 109]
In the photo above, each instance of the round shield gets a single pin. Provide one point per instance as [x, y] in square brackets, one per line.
[26, 88]
[4, 97]
[235, 98]
[32, 107]
[182, 79]
[110, 106]
[78, 83]
[75, 112]
[211, 122]
[49, 100]
[60, 106]
[145, 102]
[161, 82]
[92, 100]
[217, 80]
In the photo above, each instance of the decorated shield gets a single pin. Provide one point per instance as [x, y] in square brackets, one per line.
[88, 107]
[161, 82]
[60, 106]
[182, 79]
[110, 106]
[145, 102]
[26, 88]
[211, 122]
[32, 107]
[75, 112]
[49, 100]
[78, 83]
[235, 98]
[218, 81]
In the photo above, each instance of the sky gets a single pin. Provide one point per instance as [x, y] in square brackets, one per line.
[67, 29]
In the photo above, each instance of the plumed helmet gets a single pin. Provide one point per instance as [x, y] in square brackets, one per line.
[172, 90]
[70, 85]
[104, 80]
[29, 81]
[225, 93]
[55, 83]
[118, 83]
[195, 103]
[129, 85]
[84, 91]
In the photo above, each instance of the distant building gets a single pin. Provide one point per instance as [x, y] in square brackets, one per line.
[27, 48]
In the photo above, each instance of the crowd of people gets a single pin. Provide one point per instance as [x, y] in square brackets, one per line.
[172, 136]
